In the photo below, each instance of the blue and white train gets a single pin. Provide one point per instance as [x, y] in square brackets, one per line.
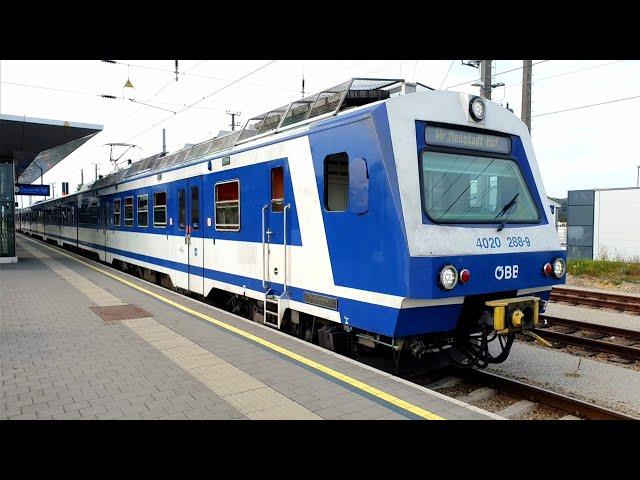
[377, 213]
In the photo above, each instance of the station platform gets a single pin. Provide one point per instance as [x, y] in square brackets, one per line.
[80, 340]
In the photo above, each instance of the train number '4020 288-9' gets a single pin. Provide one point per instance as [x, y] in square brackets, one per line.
[496, 242]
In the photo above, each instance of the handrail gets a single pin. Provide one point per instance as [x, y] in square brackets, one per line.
[264, 276]
[285, 247]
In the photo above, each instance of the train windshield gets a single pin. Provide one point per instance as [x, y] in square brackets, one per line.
[469, 189]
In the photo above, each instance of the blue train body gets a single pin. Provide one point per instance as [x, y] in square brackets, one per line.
[338, 218]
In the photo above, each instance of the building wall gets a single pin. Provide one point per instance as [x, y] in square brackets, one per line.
[580, 208]
[616, 233]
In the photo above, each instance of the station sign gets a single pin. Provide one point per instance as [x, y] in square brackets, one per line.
[36, 190]
[448, 137]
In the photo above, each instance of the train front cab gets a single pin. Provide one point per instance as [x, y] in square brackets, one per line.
[480, 242]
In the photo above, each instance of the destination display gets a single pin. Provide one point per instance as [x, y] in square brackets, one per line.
[447, 137]
[37, 190]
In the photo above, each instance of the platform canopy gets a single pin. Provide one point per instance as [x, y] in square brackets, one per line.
[36, 145]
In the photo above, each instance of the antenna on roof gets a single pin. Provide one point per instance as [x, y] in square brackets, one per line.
[303, 85]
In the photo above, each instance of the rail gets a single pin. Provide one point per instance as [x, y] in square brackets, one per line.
[626, 303]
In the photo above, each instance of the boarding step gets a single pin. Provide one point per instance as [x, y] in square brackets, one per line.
[274, 308]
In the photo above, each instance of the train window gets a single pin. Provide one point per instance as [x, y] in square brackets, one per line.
[336, 182]
[470, 189]
[160, 209]
[128, 212]
[93, 213]
[277, 189]
[84, 212]
[143, 210]
[116, 212]
[195, 208]
[182, 209]
[228, 206]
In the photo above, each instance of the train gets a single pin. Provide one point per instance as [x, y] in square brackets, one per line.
[377, 214]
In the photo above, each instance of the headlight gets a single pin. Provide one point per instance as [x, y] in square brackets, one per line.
[558, 267]
[477, 109]
[448, 277]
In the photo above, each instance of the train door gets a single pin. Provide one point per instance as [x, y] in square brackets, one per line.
[106, 225]
[58, 228]
[189, 248]
[275, 241]
[195, 232]
[180, 242]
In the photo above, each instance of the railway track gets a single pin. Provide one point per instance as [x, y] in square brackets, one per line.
[625, 303]
[601, 338]
[515, 399]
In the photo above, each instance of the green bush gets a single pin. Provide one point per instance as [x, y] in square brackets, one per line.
[614, 271]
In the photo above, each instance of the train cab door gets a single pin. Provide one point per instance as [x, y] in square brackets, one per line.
[275, 216]
[195, 241]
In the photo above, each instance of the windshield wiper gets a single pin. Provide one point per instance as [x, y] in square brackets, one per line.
[507, 209]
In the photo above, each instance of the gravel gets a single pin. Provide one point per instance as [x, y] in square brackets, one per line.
[542, 413]
[497, 402]
[459, 390]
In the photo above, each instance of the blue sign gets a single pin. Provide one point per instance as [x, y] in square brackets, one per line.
[37, 190]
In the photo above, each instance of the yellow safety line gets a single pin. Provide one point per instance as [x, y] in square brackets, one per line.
[421, 412]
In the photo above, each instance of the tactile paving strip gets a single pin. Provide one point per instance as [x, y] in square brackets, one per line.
[115, 313]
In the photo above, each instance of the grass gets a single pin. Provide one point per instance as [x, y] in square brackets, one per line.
[614, 271]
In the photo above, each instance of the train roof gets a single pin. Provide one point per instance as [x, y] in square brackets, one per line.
[353, 93]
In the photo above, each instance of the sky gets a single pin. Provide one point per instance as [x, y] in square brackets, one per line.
[578, 149]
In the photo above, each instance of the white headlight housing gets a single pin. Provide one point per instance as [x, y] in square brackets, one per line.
[477, 109]
[448, 277]
[558, 267]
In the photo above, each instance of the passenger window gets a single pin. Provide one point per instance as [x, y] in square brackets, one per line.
[277, 189]
[128, 212]
[93, 213]
[116, 212]
[143, 210]
[336, 182]
[182, 209]
[160, 209]
[228, 206]
[195, 208]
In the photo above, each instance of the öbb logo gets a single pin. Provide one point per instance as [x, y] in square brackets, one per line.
[506, 272]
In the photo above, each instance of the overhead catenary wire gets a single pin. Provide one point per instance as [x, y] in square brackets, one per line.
[171, 82]
[90, 94]
[197, 75]
[446, 75]
[571, 72]
[41, 87]
[495, 75]
[215, 92]
[587, 106]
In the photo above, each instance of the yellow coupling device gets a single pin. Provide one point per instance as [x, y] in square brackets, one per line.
[508, 313]
[516, 318]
